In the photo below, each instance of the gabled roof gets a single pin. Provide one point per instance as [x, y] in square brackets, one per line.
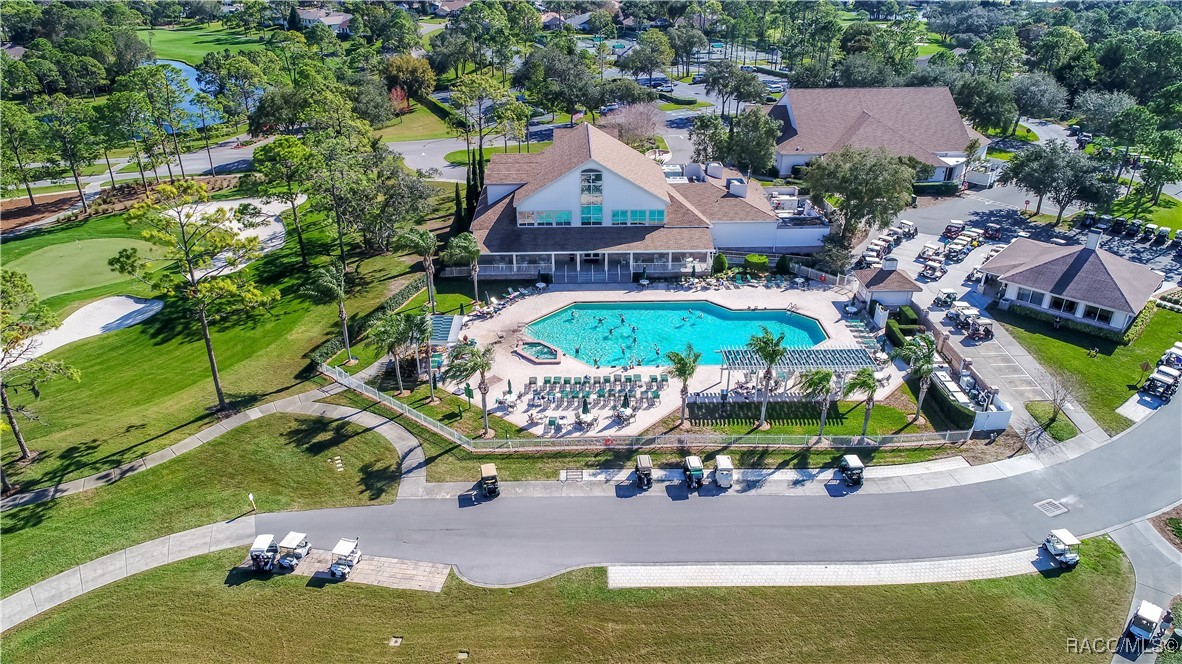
[878, 279]
[510, 168]
[916, 122]
[1076, 273]
[712, 201]
[577, 145]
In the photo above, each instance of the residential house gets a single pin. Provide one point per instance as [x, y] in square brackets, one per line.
[552, 21]
[591, 208]
[580, 23]
[887, 285]
[922, 123]
[450, 8]
[1084, 284]
[337, 21]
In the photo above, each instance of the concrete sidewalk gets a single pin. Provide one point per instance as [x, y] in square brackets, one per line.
[1158, 567]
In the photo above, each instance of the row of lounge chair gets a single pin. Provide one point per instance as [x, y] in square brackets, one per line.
[556, 383]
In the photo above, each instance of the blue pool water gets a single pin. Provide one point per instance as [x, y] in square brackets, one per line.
[618, 333]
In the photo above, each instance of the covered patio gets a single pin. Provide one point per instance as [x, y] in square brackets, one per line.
[841, 360]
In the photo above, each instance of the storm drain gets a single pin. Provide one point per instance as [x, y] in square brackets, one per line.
[1051, 507]
[572, 475]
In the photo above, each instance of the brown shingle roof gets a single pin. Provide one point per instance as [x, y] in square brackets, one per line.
[577, 145]
[1076, 273]
[712, 200]
[510, 168]
[496, 229]
[878, 279]
[916, 122]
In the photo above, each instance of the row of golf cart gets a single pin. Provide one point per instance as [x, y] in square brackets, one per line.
[964, 316]
[694, 472]
[265, 554]
[885, 244]
[1165, 379]
[1135, 229]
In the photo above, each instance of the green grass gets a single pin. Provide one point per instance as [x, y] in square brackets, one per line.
[283, 459]
[87, 261]
[801, 418]
[1175, 526]
[190, 44]
[1168, 211]
[1064, 353]
[460, 157]
[418, 125]
[1059, 427]
[148, 386]
[19, 192]
[204, 609]
[669, 106]
[1023, 134]
[998, 153]
[449, 462]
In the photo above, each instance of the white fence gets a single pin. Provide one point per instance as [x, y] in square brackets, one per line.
[841, 281]
[386, 400]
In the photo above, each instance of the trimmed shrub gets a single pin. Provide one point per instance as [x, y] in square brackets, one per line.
[1112, 335]
[771, 72]
[935, 188]
[960, 417]
[907, 316]
[755, 262]
[720, 265]
[783, 265]
[894, 334]
[673, 99]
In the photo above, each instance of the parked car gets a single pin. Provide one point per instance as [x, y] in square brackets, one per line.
[698, 78]
[666, 87]
[746, 68]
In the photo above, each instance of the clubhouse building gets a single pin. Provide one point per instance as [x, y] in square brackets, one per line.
[591, 209]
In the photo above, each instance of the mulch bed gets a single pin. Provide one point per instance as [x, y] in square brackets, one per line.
[16, 212]
[1159, 522]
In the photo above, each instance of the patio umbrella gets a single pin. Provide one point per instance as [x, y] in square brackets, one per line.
[510, 383]
[627, 401]
[586, 407]
[694, 271]
[644, 274]
[461, 308]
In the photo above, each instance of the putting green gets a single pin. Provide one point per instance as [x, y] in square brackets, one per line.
[71, 266]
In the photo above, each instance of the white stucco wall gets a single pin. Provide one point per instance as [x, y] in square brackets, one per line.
[618, 194]
[765, 234]
[888, 298]
[1120, 319]
[786, 162]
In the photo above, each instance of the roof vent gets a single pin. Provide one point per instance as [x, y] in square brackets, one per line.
[737, 187]
[714, 169]
[890, 263]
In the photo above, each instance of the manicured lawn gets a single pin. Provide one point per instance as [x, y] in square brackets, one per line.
[460, 157]
[87, 261]
[1064, 353]
[190, 44]
[148, 386]
[1023, 134]
[284, 460]
[1168, 211]
[1060, 428]
[669, 106]
[19, 191]
[575, 617]
[449, 462]
[998, 153]
[799, 418]
[418, 125]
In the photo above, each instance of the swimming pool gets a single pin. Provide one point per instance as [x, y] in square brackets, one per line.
[619, 333]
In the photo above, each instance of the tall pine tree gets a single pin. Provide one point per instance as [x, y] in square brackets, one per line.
[459, 219]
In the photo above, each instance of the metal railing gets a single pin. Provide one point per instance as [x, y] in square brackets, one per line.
[840, 281]
[386, 400]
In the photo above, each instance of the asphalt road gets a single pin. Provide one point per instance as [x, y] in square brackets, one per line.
[513, 541]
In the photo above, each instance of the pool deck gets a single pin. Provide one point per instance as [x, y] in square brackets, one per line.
[506, 329]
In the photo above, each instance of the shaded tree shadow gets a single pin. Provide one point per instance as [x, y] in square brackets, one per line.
[317, 435]
[378, 479]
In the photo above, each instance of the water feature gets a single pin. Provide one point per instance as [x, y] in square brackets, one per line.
[190, 75]
[619, 333]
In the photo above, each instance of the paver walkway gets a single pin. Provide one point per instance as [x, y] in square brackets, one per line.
[843, 574]
[379, 571]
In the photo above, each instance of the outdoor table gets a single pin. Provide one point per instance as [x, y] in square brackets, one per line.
[625, 413]
[881, 376]
[798, 281]
[851, 309]
[644, 282]
[540, 286]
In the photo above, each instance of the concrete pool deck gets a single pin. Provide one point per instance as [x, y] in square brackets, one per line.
[506, 329]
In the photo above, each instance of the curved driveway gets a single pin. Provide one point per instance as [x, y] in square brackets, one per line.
[516, 540]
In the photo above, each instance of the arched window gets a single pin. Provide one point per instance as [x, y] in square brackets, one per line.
[591, 198]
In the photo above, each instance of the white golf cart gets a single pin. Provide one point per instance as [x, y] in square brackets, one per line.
[345, 555]
[292, 549]
[724, 471]
[263, 553]
[908, 229]
[851, 468]
[930, 250]
[1063, 547]
[1147, 623]
[933, 270]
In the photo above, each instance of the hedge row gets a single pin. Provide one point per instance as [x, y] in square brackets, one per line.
[960, 417]
[755, 262]
[680, 101]
[935, 188]
[1124, 338]
[445, 113]
[898, 334]
[907, 316]
[359, 324]
[771, 72]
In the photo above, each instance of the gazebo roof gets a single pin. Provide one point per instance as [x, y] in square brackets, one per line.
[840, 360]
[445, 330]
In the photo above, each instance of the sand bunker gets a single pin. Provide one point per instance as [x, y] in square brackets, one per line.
[271, 234]
[106, 315]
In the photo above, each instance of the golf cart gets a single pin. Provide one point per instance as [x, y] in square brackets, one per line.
[488, 480]
[980, 330]
[974, 274]
[1063, 547]
[955, 308]
[945, 299]
[973, 236]
[345, 555]
[893, 235]
[992, 231]
[908, 229]
[1146, 623]
[1162, 384]
[867, 261]
[1172, 357]
[851, 468]
[966, 318]
[933, 270]
[644, 471]
[1134, 227]
[875, 249]
[1150, 231]
[954, 229]
[292, 549]
[695, 475]
[1163, 234]
[724, 471]
[930, 250]
[957, 251]
[263, 553]
[881, 246]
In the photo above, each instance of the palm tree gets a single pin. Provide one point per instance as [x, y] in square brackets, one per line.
[328, 283]
[461, 249]
[682, 367]
[421, 242]
[421, 330]
[818, 384]
[863, 380]
[393, 333]
[464, 361]
[770, 349]
[920, 353]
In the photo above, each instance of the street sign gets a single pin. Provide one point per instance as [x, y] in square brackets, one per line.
[468, 393]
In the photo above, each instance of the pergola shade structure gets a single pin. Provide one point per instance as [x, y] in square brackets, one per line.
[838, 360]
[445, 330]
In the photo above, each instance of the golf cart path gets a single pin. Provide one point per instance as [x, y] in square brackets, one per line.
[1158, 568]
[413, 462]
[105, 315]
